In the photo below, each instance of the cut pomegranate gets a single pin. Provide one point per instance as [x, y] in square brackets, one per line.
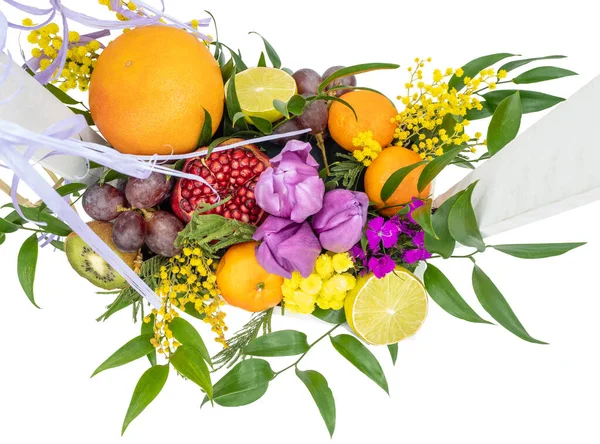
[232, 173]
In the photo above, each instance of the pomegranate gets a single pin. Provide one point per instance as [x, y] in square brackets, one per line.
[232, 173]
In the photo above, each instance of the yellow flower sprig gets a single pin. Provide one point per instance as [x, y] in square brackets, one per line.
[367, 149]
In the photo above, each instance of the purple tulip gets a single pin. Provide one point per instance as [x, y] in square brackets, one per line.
[340, 222]
[286, 247]
[291, 187]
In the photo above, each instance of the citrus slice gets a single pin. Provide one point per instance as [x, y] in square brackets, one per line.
[387, 310]
[256, 89]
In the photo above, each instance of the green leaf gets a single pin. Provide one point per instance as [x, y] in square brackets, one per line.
[330, 316]
[317, 385]
[233, 104]
[273, 57]
[188, 361]
[185, 333]
[206, 132]
[518, 63]
[393, 349]
[394, 181]
[227, 70]
[360, 356]
[86, 114]
[281, 106]
[494, 303]
[531, 101]
[477, 114]
[263, 125]
[53, 225]
[336, 99]
[243, 384]
[445, 243]
[462, 222]
[542, 74]
[422, 216]
[355, 69]
[239, 115]
[59, 245]
[71, 188]
[445, 295]
[2, 238]
[137, 348]
[61, 95]
[7, 227]
[435, 167]
[296, 104]
[26, 265]
[147, 328]
[505, 123]
[536, 251]
[112, 175]
[239, 63]
[278, 343]
[147, 388]
[262, 61]
[472, 68]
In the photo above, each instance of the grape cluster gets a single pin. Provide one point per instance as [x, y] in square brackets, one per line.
[130, 205]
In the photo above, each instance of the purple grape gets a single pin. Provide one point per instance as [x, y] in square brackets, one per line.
[286, 127]
[315, 116]
[101, 202]
[161, 231]
[129, 231]
[346, 81]
[307, 81]
[147, 193]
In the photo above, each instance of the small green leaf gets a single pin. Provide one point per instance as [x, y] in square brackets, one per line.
[472, 68]
[279, 343]
[239, 63]
[330, 316]
[477, 114]
[53, 225]
[86, 114]
[542, 74]
[445, 295]
[536, 251]
[137, 348]
[360, 356]
[185, 333]
[336, 99]
[206, 132]
[505, 123]
[296, 104]
[435, 167]
[188, 361]
[281, 106]
[355, 69]
[518, 63]
[61, 95]
[26, 265]
[462, 222]
[227, 70]
[494, 303]
[239, 115]
[445, 243]
[71, 188]
[243, 384]
[317, 385]
[422, 216]
[394, 181]
[531, 101]
[273, 57]
[233, 105]
[147, 388]
[263, 125]
[393, 349]
[147, 328]
[262, 62]
[7, 227]
[2, 238]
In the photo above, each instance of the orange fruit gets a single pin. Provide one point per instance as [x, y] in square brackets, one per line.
[374, 112]
[388, 162]
[150, 87]
[244, 283]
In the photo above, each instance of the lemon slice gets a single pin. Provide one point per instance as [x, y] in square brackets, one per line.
[385, 311]
[256, 89]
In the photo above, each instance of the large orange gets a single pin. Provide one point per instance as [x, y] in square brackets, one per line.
[244, 283]
[374, 112]
[149, 90]
[388, 162]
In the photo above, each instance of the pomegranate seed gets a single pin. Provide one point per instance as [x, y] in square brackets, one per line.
[205, 172]
[235, 164]
[241, 180]
[226, 169]
[244, 209]
[249, 204]
[253, 161]
[216, 167]
[186, 205]
[235, 173]
[223, 159]
[250, 194]
[190, 185]
[185, 193]
[245, 162]
[245, 218]
[197, 191]
[245, 173]
[259, 168]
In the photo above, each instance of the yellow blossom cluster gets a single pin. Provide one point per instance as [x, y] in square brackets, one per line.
[327, 286]
[367, 149]
[187, 281]
[81, 58]
[129, 5]
[434, 116]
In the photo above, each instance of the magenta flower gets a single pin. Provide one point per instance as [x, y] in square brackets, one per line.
[286, 247]
[291, 187]
[418, 254]
[358, 253]
[380, 230]
[340, 222]
[380, 266]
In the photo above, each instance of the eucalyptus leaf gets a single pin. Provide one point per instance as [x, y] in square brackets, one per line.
[354, 69]
[435, 167]
[542, 74]
[531, 101]
[279, 343]
[188, 361]
[473, 68]
[185, 333]
[137, 348]
[462, 222]
[393, 349]
[206, 132]
[536, 251]
[360, 356]
[330, 316]
[317, 385]
[505, 123]
[147, 389]
[26, 265]
[518, 63]
[444, 243]
[422, 216]
[271, 53]
[394, 181]
[494, 303]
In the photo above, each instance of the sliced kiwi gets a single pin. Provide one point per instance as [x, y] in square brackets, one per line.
[90, 265]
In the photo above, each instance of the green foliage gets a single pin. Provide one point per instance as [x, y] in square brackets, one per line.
[393, 349]
[531, 101]
[444, 243]
[394, 181]
[346, 172]
[26, 265]
[536, 251]
[422, 216]
[542, 74]
[147, 388]
[355, 69]
[462, 222]
[188, 361]
[330, 316]
[317, 385]
[505, 123]
[435, 167]
[138, 347]
[518, 63]
[279, 343]
[271, 53]
[187, 335]
[206, 131]
[472, 68]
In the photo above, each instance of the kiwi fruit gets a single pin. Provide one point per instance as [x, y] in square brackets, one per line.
[90, 265]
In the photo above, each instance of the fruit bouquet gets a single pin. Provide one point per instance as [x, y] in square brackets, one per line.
[212, 183]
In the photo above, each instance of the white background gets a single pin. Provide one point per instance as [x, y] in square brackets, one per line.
[454, 382]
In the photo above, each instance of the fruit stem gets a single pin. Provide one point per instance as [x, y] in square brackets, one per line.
[321, 144]
[260, 286]
[147, 214]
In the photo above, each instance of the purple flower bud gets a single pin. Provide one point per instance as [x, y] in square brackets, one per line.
[291, 187]
[286, 247]
[340, 222]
